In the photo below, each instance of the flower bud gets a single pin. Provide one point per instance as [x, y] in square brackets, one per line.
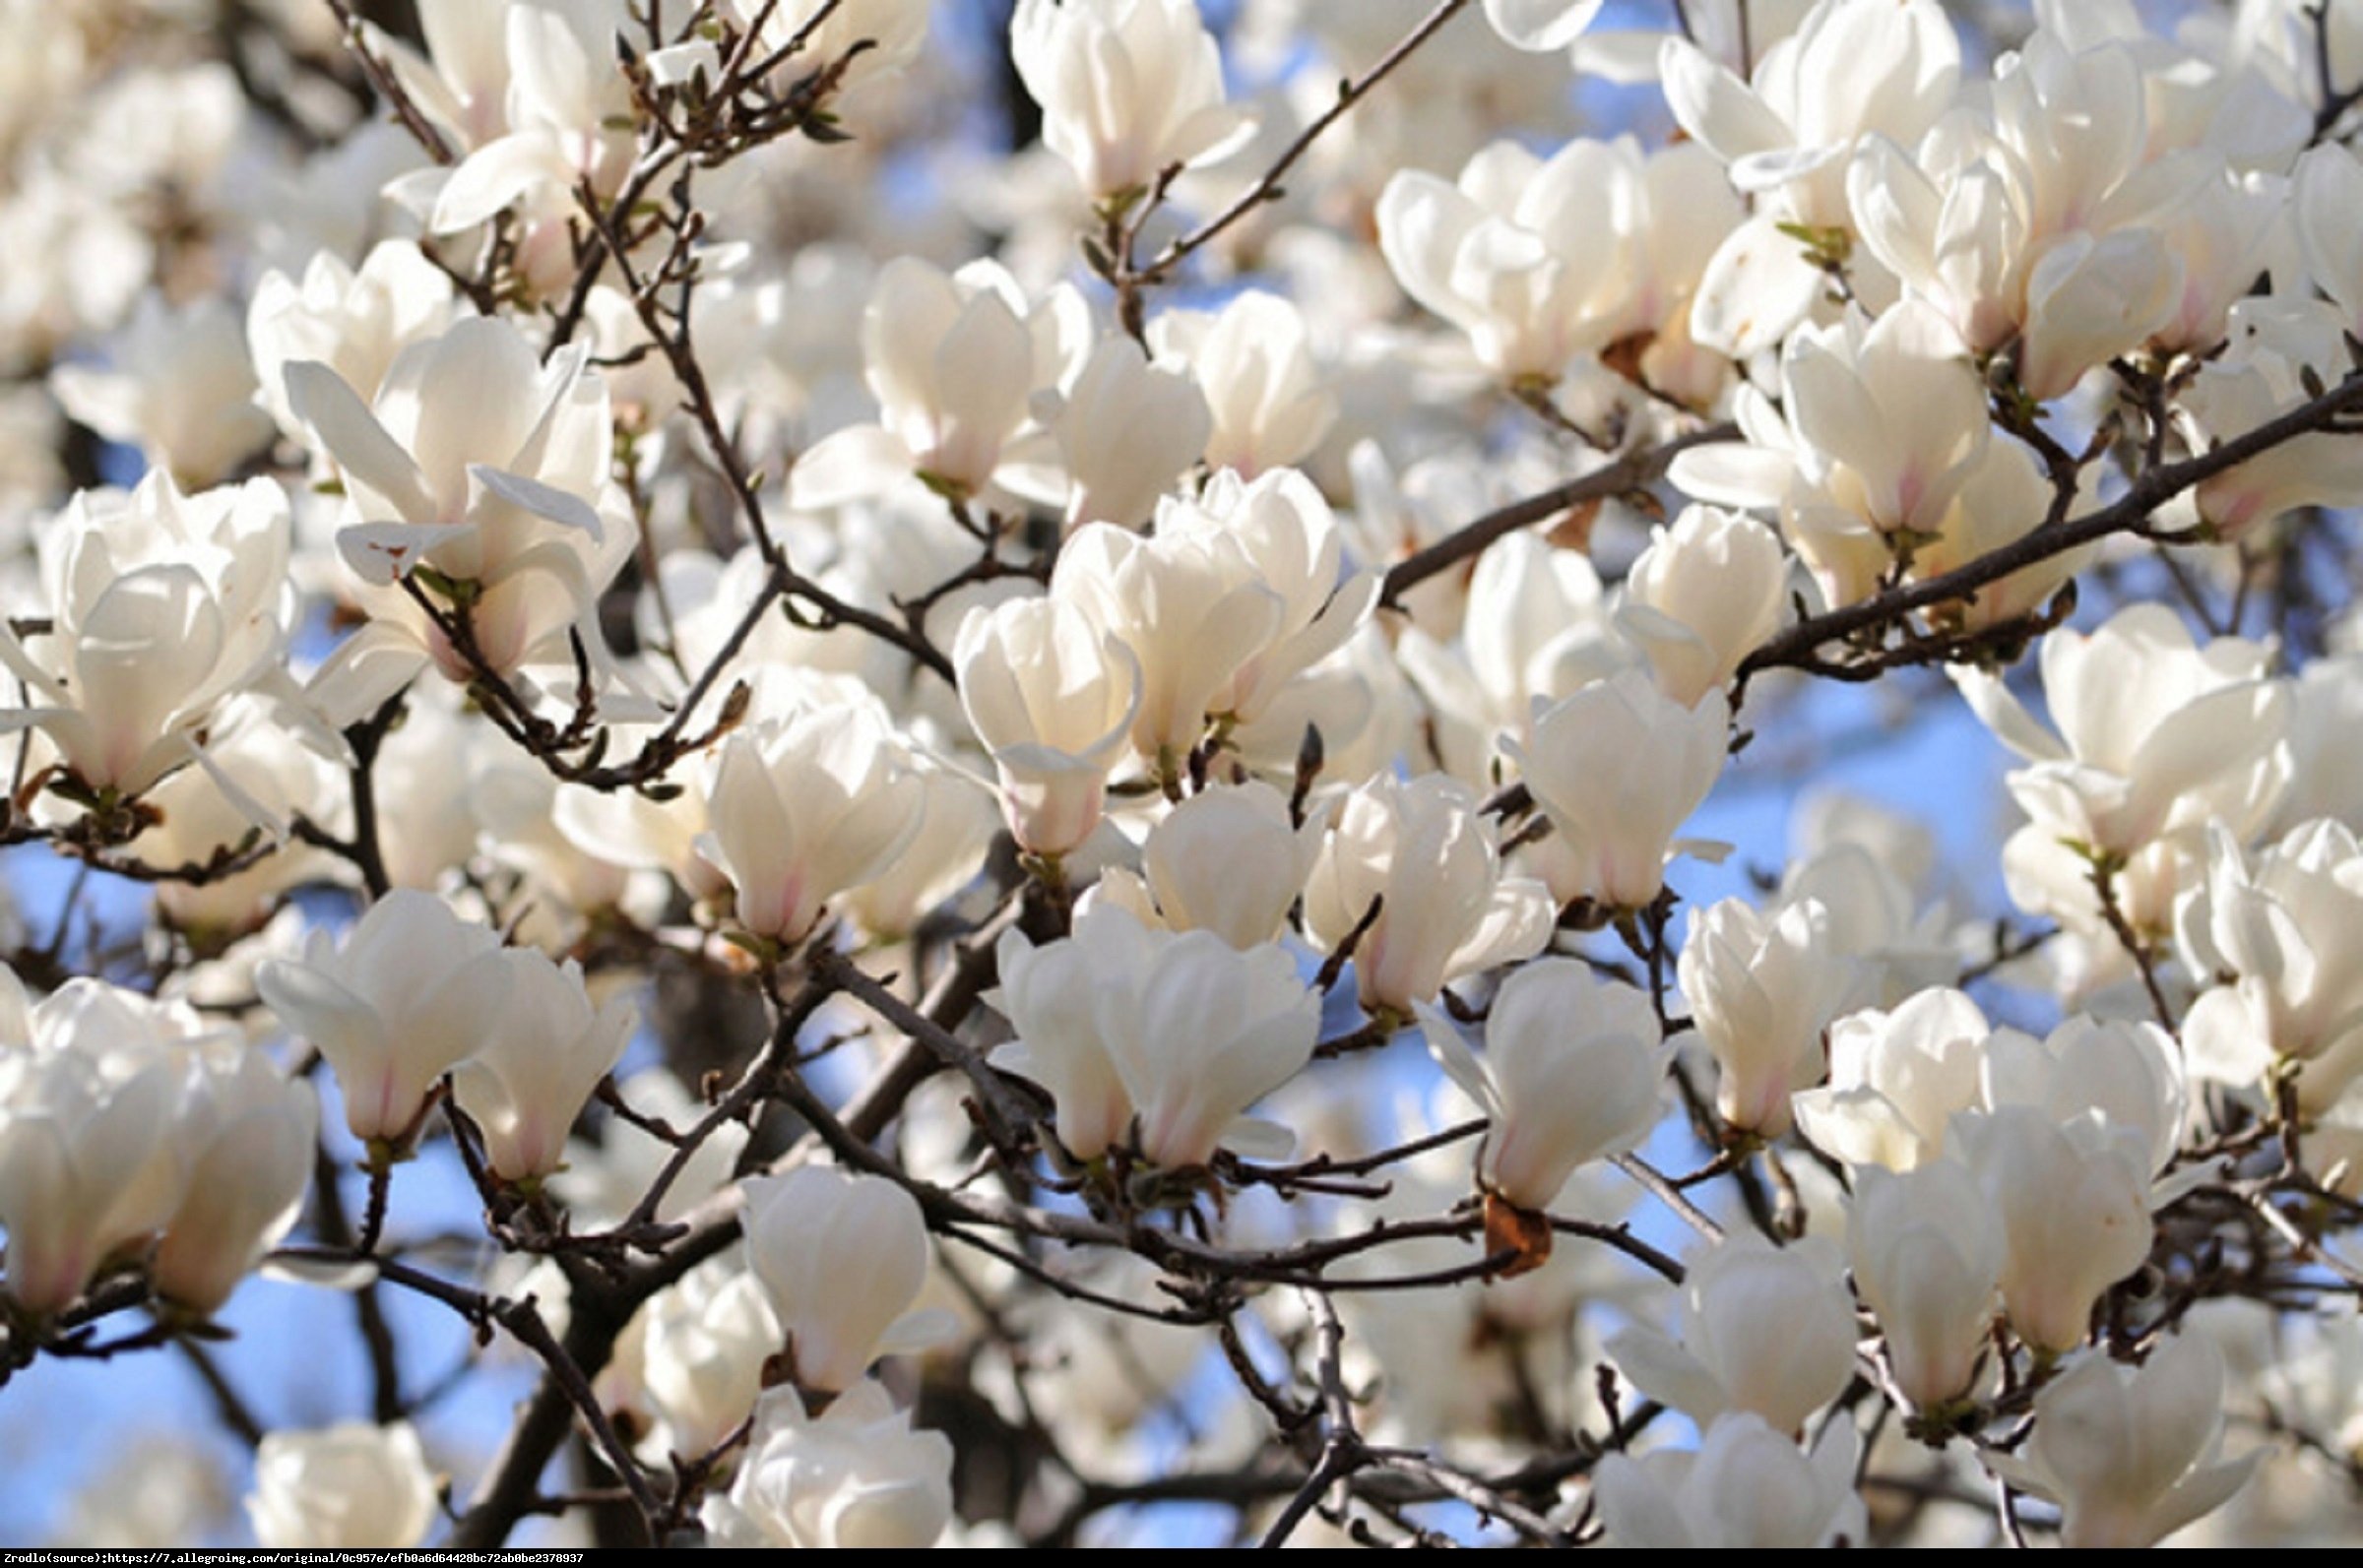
[841, 1258]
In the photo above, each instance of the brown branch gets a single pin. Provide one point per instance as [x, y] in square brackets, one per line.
[1635, 471]
[2129, 514]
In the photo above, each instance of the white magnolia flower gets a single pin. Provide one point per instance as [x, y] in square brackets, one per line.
[1895, 1081]
[1543, 26]
[1189, 609]
[1761, 988]
[482, 463]
[1277, 531]
[161, 608]
[2129, 1452]
[542, 1055]
[1422, 854]
[1852, 69]
[2327, 196]
[2283, 925]
[2035, 219]
[344, 1487]
[841, 1258]
[410, 995]
[1701, 596]
[2153, 733]
[1048, 994]
[1542, 261]
[356, 321]
[858, 1475]
[1229, 860]
[1618, 767]
[951, 358]
[1571, 1073]
[90, 1085]
[247, 1137]
[1538, 625]
[1253, 362]
[1128, 87]
[1053, 698]
[2075, 1204]
[1125, 429]
[1928, 1252]
[703, 1343]
[1172, 1034]
[891, 33]
[1201, 1034]
[1765, 1329]
[802, 810]
[180, 389]
[1745, 1486]
[2277, 346]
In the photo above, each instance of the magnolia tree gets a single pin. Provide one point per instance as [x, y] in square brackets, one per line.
[846, 772]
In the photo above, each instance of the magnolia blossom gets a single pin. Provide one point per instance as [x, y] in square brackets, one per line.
[2282, 925]
[1049, 993]
[1541, 25]
[1053, 698]
[1764, 1330]
[181, 390]
[1928, 1252]
[1126, 88]
[1895, 1081]
[805, 809]
[1744, 1487]
[345, 1487]
[530, 90]
[1618, 767]
[356, 321]
[541, 1056]
[2032, 222]
[1852, 69]
[1186, 610]
[1253, 362]
[2327, 192]
[1229, 860]
[858, 1475]
[1701, 596]
[1125, 428]
[1761, 988]
[408, 994]
[2074, 1204]
[841, 1258]
[1171, 1034]
[90, 1087]
[480, 462]
[1571, 1073]
[703, 1345]
[160, 606]
[2129, 1452]
[1888, 416]
[890, 33]
[248, 1136]
[2277, 346]
[1418, 864]
[2154, 733]
[1538, 625]
[1276, 530]
[1514, 253]
[951, 358]
[1202, 1033]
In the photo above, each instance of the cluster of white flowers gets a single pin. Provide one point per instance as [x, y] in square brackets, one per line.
[805, 711]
